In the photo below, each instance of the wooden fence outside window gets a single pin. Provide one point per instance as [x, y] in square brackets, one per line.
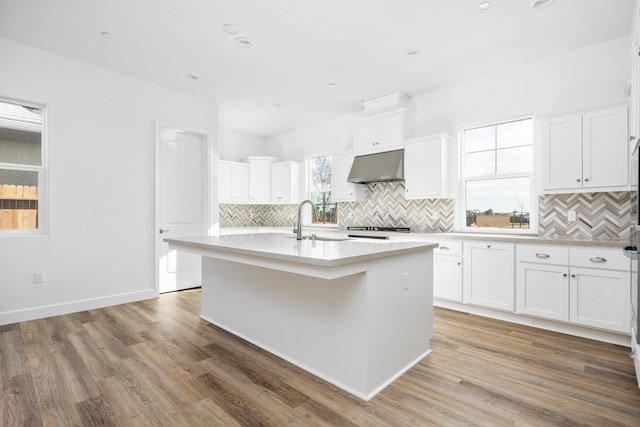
[18, 207]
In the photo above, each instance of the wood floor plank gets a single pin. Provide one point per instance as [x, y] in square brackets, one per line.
[13, 359]
[97, 412]
[20, 404]
[52, 394]
[155, 362]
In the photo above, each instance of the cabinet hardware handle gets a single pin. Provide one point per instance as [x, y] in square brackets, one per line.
[598, 259]
[573, 275]
[564, 275]
[459, 263]
[586, 180]
[578, 180]
[488, 246]
[632, 138]
[543, 256]
[444, 248]
[163, 230]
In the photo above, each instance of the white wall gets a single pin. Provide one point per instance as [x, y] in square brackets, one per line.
[237, 146]
[582, 78]
[100, 246]
[323, 138]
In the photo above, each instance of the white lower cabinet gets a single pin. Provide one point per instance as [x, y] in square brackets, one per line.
[543, 291]
[542, 281]
[488, 278]
[600, 298]
[587, 286]
[447, 271]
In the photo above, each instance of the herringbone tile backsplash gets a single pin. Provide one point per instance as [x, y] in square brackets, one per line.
[385, 206]
[232, 215]
[598, 215]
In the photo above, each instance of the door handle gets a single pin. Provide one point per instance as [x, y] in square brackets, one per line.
[163, 231]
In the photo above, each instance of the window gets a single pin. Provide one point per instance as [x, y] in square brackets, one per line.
[497, 176]
[21, 168]
[325, 212]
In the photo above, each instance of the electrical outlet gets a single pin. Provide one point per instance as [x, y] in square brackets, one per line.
[39, 277]
[405, 281]
[571, 216]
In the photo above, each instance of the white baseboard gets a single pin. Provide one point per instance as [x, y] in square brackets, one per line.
[40, 312]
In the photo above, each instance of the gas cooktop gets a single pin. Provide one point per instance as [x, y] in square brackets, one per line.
[376, 228]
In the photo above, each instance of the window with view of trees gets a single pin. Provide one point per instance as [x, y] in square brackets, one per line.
[497, 175]
[22, 166]
[325, 212]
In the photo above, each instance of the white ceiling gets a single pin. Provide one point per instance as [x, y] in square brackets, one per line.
[299, 46]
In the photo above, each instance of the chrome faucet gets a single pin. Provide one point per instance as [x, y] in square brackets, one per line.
[299, 229]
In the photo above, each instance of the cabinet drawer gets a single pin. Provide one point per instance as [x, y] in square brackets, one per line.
[596, 257]
[543, 254]
[448, 247]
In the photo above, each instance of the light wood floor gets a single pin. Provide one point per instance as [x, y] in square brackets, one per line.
[155, 363]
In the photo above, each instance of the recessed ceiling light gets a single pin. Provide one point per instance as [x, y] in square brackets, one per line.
[332, 85]
[106, 35]
[192, 77]
[541, 4]
[230, 28]
[411, 54]
[243, 42]
[484, 5]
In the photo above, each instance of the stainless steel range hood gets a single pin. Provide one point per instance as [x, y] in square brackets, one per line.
[377, 167]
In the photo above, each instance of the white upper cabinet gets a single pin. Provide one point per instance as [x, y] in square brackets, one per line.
[381, 132]
[260, 179]
[586, 151]
[425, 167]
[286, 182]
[233, 182]
[341, 189]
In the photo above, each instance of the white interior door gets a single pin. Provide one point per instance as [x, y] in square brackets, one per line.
[180, 205]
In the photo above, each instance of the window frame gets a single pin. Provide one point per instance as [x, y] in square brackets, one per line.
[531, 174]
[42, 169]
[306, 219]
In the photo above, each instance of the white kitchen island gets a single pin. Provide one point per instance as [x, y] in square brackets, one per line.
[357, 313]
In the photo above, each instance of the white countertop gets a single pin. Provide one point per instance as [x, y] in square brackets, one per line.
[425, 237]
[285, 247]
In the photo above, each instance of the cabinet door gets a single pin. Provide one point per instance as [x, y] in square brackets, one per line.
[390, 130]
[341, 189]
[365, 135]
[224, 182]
[543, 290]
[239, 183]
[260, 181]
[488, 279]
[447, 277]
[605, 148]
[424, 163]
[600, 299]
[280, 188]
[562, 152]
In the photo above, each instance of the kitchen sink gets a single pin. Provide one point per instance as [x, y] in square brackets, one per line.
[322, 238]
